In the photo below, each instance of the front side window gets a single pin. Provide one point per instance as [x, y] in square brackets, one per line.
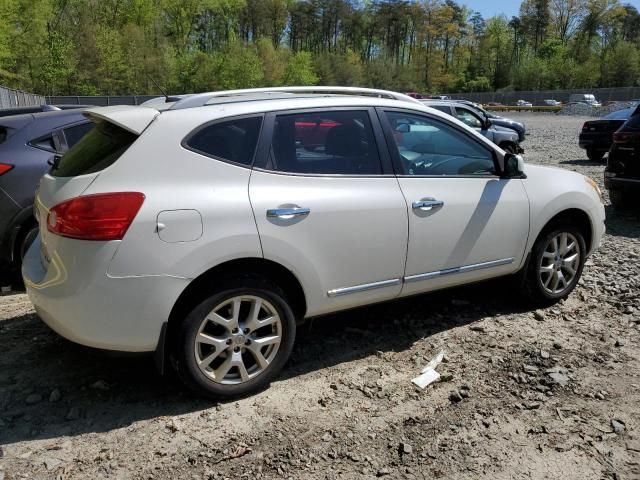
[328, 143]
[233, 140]
[468, 118]
[430, 147]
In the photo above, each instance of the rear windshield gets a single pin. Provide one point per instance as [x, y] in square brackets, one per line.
[97, 150]
[634, 121]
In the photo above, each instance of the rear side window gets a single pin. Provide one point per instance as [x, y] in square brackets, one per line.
[44, 143]
[98, 149]
[234, 141]
[442, 108]
[3, 134]
[325, 143]
[75, 133]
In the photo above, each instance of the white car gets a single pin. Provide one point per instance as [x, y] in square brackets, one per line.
[204, 228]
[524, 103]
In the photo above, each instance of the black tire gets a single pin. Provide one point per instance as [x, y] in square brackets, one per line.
[185, 348]
[533, 283]
[595, 155]
[619, 199]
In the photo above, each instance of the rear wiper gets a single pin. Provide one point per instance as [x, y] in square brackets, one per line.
[54, 161]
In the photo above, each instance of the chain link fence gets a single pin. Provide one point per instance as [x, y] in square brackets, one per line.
[617, 94]
[17, 98]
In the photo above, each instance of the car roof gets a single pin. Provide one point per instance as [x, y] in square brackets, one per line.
[45, 120]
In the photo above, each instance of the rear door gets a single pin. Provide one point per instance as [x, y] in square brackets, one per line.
[328, 207]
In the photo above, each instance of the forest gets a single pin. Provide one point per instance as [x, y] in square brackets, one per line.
[112, 47]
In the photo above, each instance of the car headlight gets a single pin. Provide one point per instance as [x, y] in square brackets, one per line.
[594, 185]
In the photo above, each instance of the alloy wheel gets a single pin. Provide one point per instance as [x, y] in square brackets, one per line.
[238, 339]
[560, 263]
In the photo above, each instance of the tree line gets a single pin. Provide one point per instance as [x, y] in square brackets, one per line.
[112, 47]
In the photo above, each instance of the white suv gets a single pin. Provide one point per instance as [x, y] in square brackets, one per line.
[203, 228]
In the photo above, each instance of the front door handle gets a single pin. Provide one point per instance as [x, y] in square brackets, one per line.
[427, 204]
[287, 213]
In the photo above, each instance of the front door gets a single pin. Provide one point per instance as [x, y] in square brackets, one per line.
[465, 222]
[328, 207]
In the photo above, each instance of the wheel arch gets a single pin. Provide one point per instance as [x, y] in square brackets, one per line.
[571, 216]
[198, 289]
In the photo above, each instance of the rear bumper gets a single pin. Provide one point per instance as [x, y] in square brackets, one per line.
[80, 302]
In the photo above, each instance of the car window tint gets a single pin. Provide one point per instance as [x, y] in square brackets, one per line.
[443, 108]
[430, 147]
[468, 118]
[44, 143]
[325, 143]
[97, 150]
[75, 133]
[234, 140]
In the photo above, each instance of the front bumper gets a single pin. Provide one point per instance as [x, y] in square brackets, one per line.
[77, 299]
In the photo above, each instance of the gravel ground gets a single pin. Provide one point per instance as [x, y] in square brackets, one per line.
[524, 394]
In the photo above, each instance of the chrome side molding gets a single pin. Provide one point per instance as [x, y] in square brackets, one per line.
[363, 288]
[338, 292]
[450, 271]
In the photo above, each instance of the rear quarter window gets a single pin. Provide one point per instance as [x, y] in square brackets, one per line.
[95, 151]
[233, 140]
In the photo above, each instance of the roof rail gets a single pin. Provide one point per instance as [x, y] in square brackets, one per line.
[201, 99]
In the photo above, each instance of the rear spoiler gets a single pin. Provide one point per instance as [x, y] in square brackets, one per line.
[132, 118]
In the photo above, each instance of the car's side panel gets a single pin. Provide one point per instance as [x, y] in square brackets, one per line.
[552, 191]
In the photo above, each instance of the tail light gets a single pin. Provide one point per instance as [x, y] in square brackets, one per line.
[585, 127]
[624, 137]
[4, 168]
[104, 216]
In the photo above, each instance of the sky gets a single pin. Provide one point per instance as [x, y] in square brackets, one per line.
[489, 8]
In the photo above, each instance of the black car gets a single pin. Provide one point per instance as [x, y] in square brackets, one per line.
[518, 127]
[622, 175]
[28, 143]
[596, 136]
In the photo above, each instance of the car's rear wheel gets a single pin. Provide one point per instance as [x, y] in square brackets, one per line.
[595, 155]
[619, 199]
[556, 264]
[236, 341]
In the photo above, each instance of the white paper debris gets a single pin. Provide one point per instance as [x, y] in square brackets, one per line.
[428, 374]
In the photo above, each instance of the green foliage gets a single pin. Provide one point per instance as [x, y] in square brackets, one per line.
[116, 46]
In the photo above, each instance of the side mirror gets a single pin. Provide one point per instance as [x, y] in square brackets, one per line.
[487, 123]
[513, 166]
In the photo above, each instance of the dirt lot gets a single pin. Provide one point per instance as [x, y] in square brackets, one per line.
[525, 394]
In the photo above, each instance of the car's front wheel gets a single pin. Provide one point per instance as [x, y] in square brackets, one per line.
[594, 155]
[556, 264]
[236, 341]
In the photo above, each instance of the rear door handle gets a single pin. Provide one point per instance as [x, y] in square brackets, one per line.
[427, 204]
[287, 213]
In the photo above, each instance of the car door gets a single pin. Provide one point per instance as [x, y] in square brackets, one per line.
[328, 206]
[465, 222]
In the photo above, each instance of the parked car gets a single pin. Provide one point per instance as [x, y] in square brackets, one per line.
[622, 174]
[551, 102]
[596, 136]
[505, 138]
[204, 229]
[5, 112]
[587, 98]
[27, 143]
[524, 103]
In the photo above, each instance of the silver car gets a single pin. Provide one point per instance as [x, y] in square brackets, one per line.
[203, 228]
[505, 138]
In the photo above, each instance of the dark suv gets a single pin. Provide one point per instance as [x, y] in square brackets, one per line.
[28, 143]
[622, 175]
